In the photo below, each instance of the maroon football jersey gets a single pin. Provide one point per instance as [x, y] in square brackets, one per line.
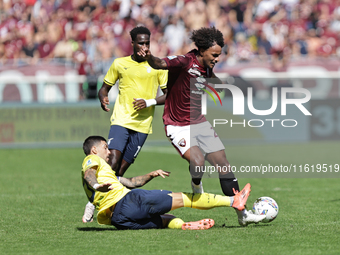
[183, 103]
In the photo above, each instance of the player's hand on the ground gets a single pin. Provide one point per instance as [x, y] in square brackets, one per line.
[139, 104]
[159, 172]
[104, 103]
[105, 187]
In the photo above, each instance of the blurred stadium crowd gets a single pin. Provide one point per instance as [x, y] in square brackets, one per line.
[89, 34]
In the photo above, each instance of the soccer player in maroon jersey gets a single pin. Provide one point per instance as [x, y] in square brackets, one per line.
[189, 131]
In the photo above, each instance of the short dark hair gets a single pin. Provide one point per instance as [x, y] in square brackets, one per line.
[139, 31]
[205, 37]
[90, 142]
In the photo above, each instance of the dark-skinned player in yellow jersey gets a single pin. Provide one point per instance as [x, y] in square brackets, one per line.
[134, 107]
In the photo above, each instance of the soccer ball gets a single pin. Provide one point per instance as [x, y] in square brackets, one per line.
[266, 206]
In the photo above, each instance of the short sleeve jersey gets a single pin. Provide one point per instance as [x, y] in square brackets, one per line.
[183, 102]
[136, 80]
[102, 200]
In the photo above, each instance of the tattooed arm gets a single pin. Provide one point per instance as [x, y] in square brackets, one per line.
[139, 181]
[91, 179]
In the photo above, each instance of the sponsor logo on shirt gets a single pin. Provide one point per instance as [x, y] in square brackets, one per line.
[194, 71]
[89, 162]
[199, 84]
[197, 92]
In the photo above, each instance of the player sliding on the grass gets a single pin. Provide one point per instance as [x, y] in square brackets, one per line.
[142, 209]
[131, 119]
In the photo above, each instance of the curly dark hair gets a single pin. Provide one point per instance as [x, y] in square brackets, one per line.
[90, 142]
[139, 31]
[205, 37]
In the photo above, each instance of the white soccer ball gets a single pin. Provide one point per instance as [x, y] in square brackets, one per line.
[266, 206]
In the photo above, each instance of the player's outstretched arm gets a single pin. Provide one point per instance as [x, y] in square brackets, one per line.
[154, 62]
[103, 96]
[157, 63]
[139, 181]
[91, 179]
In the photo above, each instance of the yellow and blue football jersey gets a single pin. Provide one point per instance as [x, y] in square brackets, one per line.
[136, 80]
[103, 200]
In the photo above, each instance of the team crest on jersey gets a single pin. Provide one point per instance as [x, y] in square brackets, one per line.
[148, 69]
[89, 162]
[200, 86]
[182, 142]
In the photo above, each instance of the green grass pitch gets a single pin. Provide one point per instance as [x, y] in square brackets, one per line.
[42, 203]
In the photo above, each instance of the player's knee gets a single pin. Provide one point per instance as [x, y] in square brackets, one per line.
[197, 161]
[218, 158]
[115, 160]
[115, 164]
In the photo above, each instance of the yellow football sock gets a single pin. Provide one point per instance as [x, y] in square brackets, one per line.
[205, 201]
[175, 223]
